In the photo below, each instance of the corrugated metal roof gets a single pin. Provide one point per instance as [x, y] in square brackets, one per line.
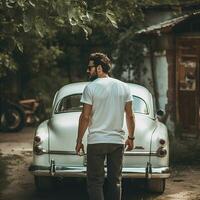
[165, 26]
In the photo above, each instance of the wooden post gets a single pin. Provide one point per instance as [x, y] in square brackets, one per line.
[154, 82]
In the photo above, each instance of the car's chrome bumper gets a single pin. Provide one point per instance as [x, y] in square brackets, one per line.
[59, 171]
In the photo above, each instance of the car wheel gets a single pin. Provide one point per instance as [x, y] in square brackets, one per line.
[12, 118]
[156, 185]
[43, 183]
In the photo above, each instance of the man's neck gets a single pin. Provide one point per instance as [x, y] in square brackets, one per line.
[103, 75]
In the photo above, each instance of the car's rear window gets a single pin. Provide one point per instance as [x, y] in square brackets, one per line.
[72, 104]
[139, 105]
[69, 104]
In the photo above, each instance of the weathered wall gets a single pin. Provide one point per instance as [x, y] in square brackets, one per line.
[161, 76]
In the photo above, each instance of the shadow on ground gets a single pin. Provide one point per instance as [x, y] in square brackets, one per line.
[77, 190]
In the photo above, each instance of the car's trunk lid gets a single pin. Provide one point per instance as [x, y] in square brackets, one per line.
[63, 130]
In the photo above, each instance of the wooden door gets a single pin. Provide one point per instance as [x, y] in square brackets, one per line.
[188, 84]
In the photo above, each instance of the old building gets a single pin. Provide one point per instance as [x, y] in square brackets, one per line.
[172, 59]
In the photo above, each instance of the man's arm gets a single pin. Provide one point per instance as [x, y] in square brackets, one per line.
[83, 124]
[130, 121]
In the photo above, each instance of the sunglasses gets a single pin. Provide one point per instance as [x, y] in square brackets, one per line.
[90, 67]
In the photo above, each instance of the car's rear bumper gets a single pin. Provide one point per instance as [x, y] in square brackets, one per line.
[60, 171]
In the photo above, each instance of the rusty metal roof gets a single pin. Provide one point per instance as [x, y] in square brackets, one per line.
[165, 26]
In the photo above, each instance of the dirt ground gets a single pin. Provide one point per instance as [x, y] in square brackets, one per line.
[15, 148]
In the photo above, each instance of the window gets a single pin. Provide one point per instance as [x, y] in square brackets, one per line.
[72, 104]
[139, 105]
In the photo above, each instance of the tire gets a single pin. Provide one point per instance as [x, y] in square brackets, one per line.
[156, 185]
[43, 183]
[12, 119]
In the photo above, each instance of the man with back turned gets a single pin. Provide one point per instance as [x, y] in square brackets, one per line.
[105, 100]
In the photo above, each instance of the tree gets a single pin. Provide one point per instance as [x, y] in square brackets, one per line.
[42, 37]
[43, 17]
[38, 17]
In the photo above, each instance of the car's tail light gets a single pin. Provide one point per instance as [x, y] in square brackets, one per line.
[162, 142]
[37, 139]
[37, 148]
[161, 152]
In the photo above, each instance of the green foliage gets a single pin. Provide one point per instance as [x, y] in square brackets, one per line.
[111, 16]
[45, 85]
[46, 59]
[46, 40]
[6, 64]
[38, 16]
[20, 19]
[39, 71]
[129, 55]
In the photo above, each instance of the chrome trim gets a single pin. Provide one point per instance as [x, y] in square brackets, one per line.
[145, 153]
[52, 170]
[160, 172]
[63, 152]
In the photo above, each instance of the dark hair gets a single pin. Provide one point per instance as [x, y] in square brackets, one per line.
[101, 59]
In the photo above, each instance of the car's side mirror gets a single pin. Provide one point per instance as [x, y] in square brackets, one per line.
[160, 115]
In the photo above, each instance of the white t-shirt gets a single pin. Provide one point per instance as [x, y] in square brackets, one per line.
[108, 97]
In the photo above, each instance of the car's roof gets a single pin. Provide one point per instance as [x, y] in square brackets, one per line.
[72, 88]
[77, 88]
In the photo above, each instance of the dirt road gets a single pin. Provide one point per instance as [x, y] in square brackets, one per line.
[184, 184]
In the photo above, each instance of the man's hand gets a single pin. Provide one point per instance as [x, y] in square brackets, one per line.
[130, 121]
[129, 145]
[80, 148]
[82, 126]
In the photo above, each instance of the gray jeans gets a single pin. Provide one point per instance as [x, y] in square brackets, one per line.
[96, 154]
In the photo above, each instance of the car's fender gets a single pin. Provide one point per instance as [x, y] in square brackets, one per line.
[160, 133]
[43, 133]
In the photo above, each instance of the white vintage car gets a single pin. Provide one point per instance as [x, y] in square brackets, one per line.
[55, 139]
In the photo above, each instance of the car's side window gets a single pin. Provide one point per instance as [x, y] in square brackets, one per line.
[139, 105]
[70, 104]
